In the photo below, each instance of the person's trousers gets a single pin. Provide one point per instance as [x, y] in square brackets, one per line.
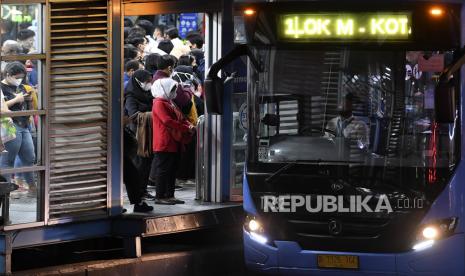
[136, 170]
[21, 147]
[186, 168]
[164, 166]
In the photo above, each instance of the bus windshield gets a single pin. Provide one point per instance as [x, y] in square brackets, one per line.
[372, 108]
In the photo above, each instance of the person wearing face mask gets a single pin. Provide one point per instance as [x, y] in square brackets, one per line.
[171, 132]
[18, 99]
[137, 100]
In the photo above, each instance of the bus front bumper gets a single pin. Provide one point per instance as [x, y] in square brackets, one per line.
[445, 257]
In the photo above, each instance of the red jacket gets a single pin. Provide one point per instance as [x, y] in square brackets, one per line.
[164, 117]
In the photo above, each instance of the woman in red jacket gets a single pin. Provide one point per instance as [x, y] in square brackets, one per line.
[170, 132]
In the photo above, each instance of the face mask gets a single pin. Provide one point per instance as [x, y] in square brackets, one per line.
[147, 86]
[15, 82]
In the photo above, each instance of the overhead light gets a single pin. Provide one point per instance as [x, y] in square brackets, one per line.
[436, 12]
[249, 12]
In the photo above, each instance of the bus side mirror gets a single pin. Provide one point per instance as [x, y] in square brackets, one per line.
[445, 102]
[214, 90]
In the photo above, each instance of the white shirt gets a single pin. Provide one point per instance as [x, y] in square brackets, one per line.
[179, 48]
[351, 128]
[152, 47]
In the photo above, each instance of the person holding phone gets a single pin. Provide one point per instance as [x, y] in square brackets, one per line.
[17, 98]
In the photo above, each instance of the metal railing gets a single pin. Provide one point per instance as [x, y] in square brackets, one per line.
[201, 181]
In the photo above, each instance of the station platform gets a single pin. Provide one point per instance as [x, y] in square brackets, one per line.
[166, 219]
[169, 219]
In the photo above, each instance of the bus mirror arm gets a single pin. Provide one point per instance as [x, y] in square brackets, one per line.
[214, 85]
[445, 98]
[238, 51]
[454, 67]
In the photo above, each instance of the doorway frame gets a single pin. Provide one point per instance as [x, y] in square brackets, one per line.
[218, 40]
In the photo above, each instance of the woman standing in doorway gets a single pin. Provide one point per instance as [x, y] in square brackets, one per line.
[171, 132]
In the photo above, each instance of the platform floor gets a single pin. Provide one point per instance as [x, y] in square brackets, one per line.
[24, 209]
[187, 193]
[167, 219]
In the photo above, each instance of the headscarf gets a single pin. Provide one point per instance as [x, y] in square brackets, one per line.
[164, 88]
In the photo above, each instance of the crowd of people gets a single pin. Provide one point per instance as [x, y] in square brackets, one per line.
[163, 99]
[18, 92]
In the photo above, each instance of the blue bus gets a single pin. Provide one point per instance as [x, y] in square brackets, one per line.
[354, 114]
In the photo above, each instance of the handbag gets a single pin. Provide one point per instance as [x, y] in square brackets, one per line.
[177, 135]
[7, 130]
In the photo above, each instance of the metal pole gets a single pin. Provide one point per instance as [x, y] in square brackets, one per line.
[200, 160]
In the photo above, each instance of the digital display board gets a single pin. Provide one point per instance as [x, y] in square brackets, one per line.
[345, 26]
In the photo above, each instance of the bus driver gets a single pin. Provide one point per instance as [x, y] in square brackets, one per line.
[347, 125]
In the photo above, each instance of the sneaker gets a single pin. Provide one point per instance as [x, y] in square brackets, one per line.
[143, 207]
[164, 201]
[178, 188]
[176, 201]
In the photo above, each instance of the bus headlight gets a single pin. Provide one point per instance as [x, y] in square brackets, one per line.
[254, 225]
[433, 231]
[255, 228]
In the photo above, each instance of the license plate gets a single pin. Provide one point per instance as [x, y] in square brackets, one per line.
[338, 261]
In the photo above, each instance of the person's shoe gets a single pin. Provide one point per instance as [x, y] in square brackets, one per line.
[178, 188]
[148, 196]
[32, 192]
[164, 201]
[21, 191]
[142, 207]
[176, 201]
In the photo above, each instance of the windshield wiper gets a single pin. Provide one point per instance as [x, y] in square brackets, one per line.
[292, 163]
[277, 173]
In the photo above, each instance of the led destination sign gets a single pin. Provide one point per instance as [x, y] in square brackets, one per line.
[342, 26]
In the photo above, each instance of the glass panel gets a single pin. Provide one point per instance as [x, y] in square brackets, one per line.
[239, 127]
[185, 42]
[21, 29]
[22, 206]
[239, 143]
[148, 38]
[21, 145]
[352, 106]
[21, 135]
[239, 29]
